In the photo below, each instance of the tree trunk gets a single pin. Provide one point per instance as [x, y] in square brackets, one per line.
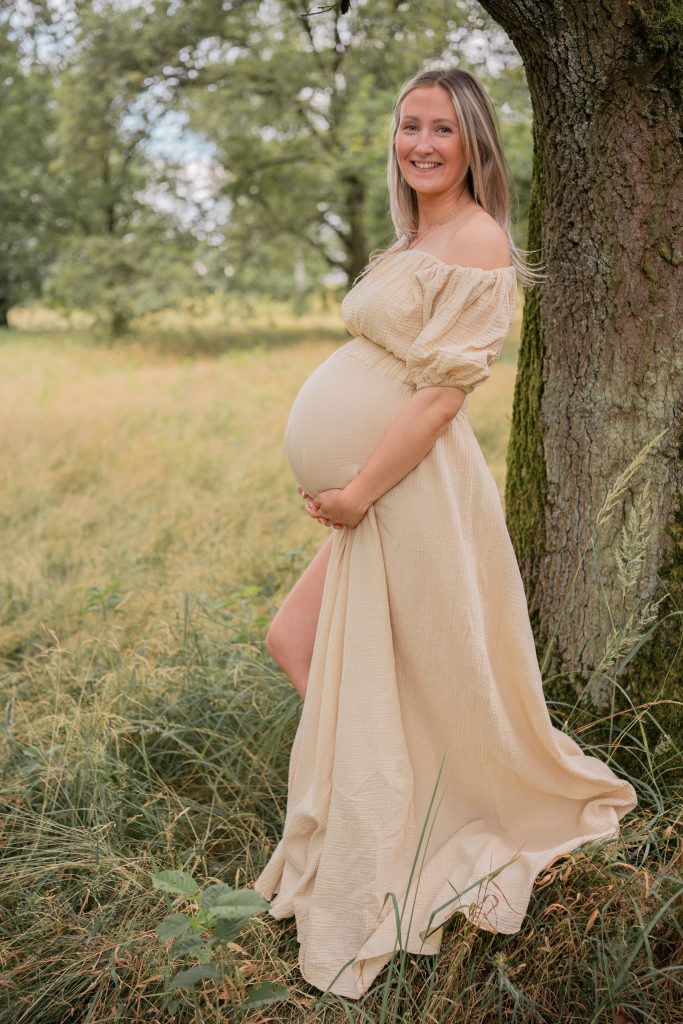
[357, 252]
[601, 357]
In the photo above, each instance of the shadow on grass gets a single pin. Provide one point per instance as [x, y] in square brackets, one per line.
[187, 342]
[219, 341]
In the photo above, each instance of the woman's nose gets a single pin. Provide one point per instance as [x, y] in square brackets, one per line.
[423, 143]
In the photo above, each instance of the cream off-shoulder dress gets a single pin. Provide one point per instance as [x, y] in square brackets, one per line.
[425, 764]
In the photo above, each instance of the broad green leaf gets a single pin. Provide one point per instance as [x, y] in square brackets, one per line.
[213, 894]
[201, 920]
[176, 882]
[238, 903]
[204, 953]
[190, 945]
[226, 931]
[173, 926]
[262, 995]
[190, 977]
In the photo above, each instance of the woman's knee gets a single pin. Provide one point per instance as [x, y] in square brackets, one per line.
[276, 639]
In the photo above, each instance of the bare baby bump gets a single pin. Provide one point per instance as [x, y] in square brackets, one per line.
[337, 420]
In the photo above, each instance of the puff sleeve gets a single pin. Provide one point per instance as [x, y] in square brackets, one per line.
[467, 313]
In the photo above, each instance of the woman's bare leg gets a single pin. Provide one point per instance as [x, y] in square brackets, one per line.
[291, 634]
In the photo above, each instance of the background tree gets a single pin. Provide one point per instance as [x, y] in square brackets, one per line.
[289, 104]
[119, 256]
[27, 237]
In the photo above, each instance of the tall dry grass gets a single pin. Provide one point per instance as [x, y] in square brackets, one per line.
[150, 529]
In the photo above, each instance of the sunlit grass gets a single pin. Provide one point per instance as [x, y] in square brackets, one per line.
[143, 475]
[150, 527]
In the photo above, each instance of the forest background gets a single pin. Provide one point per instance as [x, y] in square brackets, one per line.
[155, 153]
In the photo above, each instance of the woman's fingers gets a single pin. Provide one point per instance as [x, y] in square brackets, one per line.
[312, 508]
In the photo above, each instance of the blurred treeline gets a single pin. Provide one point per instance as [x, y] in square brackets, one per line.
[155, 152]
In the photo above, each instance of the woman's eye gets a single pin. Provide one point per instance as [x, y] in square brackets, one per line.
[442, 127]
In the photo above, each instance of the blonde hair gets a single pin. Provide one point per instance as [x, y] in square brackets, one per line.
[487, 178]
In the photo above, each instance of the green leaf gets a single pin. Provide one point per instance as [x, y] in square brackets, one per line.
[226, 931]
[190, 945]
[201, 920]
[237, 903]
[173, 926]
[213, 894]
[190, 977]
[262, 995]
[203, 952]
[177, 882]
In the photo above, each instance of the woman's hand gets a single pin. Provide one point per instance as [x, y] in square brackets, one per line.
[334, 507]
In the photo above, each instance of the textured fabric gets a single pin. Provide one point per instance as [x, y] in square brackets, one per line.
[425, 703]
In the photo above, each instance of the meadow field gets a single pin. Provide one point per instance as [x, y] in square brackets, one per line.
[150, 529]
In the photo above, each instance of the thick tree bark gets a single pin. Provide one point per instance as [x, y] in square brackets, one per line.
[601, 359]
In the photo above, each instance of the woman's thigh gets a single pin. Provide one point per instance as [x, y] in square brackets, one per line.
[291, 634]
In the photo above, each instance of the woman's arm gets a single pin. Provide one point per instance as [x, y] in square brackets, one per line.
[402, 446]
[405, 442]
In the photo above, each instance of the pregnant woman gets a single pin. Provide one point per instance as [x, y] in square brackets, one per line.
[425, 763]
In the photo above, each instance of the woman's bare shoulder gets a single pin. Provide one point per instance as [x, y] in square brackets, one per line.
[479, 242]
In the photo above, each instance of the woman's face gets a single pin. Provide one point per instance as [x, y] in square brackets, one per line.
[428, 133]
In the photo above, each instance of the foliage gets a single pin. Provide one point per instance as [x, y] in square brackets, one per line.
[119, 257]
[218, 916]
[26, 189]
[118, 277]
[278, 121]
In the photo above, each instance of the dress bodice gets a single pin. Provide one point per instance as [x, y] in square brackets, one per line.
[446, 321]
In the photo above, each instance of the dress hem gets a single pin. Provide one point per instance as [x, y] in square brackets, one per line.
[506, 923]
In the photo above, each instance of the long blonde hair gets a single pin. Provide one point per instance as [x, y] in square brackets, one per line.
[487, 178]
